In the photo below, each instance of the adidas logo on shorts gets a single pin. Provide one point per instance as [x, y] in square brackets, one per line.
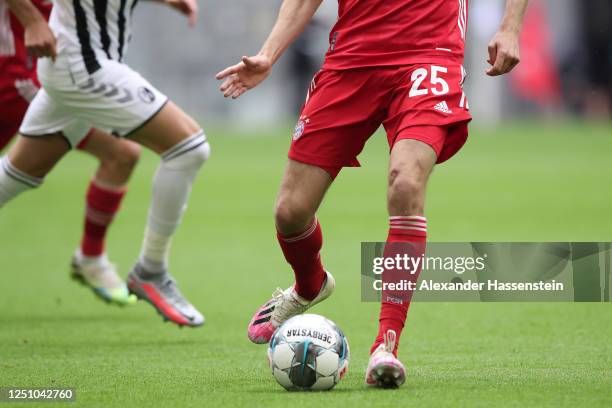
[443, 107]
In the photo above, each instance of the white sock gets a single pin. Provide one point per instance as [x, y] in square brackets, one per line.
[155, 250]
[91, 260]
[171, 187]
[14, 182]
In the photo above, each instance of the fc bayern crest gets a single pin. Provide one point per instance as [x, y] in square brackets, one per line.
[299, 129]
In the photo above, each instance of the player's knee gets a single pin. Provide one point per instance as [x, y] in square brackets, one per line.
[406, 192]
[123, 160]
[290, 216]
[129, 155]
[189, 155]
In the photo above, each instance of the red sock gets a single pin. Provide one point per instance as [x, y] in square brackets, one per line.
[102, 205]
[412, 231]
[302, 253]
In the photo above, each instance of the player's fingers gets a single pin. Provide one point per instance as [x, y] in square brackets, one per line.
[513, 64]
[53, 46]
[183, 8]
[492, 53]
[53, 52]
[227, 83]
[512, 60]
[228, 71]
[37, 51]
[227, 86]
[49, 50]
[493, 71]
[193, 17]
[506, 67]
[229, 91]
[43, 51]
[509, 61]
[239, 92]
[498, 67]
[195, 13]
[242, 90]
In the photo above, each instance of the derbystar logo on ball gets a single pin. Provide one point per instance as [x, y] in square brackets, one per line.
[307, 353]
[307, 332]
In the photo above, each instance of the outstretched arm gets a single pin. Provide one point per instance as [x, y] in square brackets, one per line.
[504, 52]
[293, 17]
[39, 39]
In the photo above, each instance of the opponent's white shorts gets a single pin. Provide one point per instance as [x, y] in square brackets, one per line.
[115, 99]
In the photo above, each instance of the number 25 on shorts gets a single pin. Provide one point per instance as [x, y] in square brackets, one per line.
[438, 85]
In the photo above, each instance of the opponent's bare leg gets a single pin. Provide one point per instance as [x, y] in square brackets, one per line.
[410, 165]
[170, 126]
[118, 158]
[183, 149]
[28, 162]
[300, 238]
[90, 263]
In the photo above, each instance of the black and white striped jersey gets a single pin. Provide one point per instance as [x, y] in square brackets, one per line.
[91, 30]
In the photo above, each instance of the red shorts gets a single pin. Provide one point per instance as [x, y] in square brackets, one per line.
[15, 97]
[344, 108]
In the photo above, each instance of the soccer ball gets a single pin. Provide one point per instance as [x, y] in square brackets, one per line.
[308, 352]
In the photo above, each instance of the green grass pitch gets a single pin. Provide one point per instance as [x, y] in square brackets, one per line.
[523, 182]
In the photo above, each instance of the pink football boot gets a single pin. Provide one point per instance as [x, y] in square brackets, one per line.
[284, 305]
[384, 369]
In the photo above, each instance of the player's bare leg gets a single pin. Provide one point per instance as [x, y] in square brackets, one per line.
[168, 128]
[36, 156]
[183, 148]
[299, 235]
[116, 98]
[117, 157]
[301, 192]
[410, 165]
[90, 263]
[27, 163]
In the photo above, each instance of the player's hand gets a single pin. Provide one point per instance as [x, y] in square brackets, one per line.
[39, 40]
[186, 7]
[504, 53]
[247, 74]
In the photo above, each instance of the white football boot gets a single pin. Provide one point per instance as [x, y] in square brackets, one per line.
[102, 278]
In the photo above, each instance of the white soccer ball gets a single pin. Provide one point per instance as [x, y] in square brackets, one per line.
[308, 352]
